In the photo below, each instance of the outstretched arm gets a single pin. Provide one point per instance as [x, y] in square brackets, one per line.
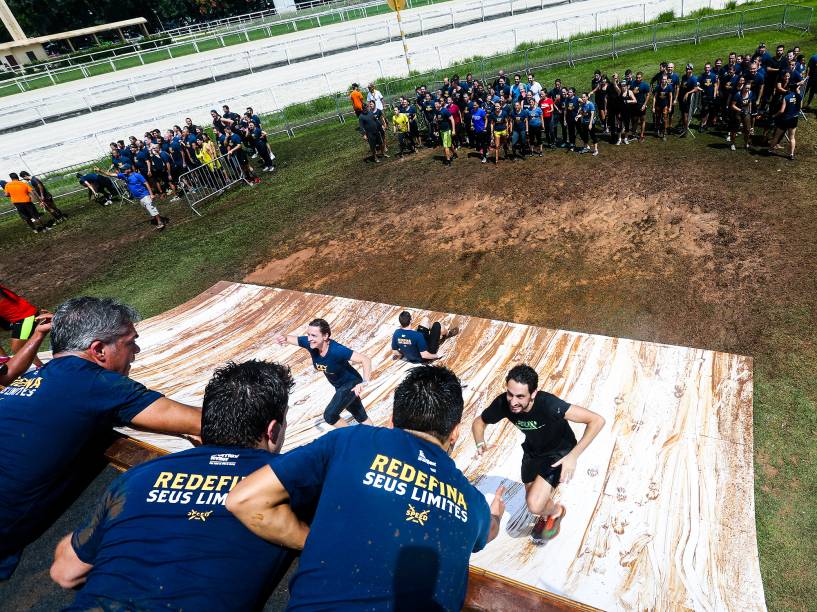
[287, 339]
[364, 360]
[478, 429]
[167, 416]
[594, 423]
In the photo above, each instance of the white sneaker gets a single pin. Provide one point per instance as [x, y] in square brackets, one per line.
[254, 155]
[618, 142]
[595, 152]
[107, 202]
[626, 141]
[732, 147]
[728, 138]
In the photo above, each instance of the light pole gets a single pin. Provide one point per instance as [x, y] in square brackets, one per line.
[159, 19]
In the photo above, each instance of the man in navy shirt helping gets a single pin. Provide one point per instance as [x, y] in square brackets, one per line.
[335, 361]
[53, 418]
[420, 344]
[550, 449]
[396, 520]
[161, 537]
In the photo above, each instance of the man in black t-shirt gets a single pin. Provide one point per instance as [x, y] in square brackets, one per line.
[550, 448]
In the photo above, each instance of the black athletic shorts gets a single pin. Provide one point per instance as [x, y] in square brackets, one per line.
[785, 124]
[540, 465]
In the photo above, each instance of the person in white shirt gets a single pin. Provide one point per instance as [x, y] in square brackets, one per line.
[375, 96]
[534, 87]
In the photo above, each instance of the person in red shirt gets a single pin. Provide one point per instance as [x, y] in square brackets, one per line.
[546, 104]
[458, 129]
[18, 316]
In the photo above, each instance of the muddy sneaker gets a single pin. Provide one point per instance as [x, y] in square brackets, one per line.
[452, 332]
[552, 525]
[536, 534]
[160, 227]
[595, 153]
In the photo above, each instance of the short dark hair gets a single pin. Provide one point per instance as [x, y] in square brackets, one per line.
[322, 325]
[429, 399]
[23, 173]
[13, 176]
[405, 318]
[240, 401]
[525, 375]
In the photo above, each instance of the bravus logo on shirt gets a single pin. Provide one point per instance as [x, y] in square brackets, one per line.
[528, 425]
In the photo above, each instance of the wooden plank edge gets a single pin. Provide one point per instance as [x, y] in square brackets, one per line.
[490, 591]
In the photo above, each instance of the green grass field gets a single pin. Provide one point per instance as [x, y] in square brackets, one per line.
[755, 293]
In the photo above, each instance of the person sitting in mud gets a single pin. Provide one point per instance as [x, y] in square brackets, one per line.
[550, 450]
[422, 344]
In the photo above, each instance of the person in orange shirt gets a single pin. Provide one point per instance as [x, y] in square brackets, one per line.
[20, 194]
[357, 99]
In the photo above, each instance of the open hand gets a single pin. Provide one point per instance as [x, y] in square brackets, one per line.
[498, 504]
[568, 463]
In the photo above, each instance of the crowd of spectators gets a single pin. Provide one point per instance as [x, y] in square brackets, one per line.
[756, 95]
[154, 167]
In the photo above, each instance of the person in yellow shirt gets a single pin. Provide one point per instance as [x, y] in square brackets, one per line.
[206, 154]
[400, 126]
[20, 194]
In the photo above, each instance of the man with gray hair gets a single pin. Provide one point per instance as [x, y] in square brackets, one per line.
[52, 418]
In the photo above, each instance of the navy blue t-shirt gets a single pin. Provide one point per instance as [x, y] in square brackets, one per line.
[47, 417]
[707, 82]
[396, 521]
[161, 537]
[410, 343]
[335, 364]
[91, 177]
[641, 90]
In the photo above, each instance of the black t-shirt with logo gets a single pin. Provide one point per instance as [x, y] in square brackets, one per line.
[546, 430]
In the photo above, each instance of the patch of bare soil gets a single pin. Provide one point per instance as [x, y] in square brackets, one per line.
[274, 271]
[549, 240]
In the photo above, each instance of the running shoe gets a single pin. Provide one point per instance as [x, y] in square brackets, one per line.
[626, 141]
[618, 142]
[538, 530]
[732, 147]
[484, 160]
[595, 152]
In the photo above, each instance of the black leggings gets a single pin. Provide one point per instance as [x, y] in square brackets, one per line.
[482, 141]
[345, 399]
[432, 336]
[587, 133]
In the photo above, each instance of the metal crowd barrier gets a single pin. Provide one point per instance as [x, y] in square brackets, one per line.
[210, 180]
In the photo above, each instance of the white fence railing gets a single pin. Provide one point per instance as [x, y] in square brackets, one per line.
[131, 89]
[278, 95]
